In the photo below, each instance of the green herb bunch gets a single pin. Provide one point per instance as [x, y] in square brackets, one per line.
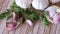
[31, 14]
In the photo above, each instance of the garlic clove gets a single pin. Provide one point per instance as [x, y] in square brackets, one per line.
[40, 4]
[54, 1]
[52, 10]
[11, 26]
[15, 16]
[29, 22]
[23, 3]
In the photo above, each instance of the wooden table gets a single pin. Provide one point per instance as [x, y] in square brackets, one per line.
[38, 28]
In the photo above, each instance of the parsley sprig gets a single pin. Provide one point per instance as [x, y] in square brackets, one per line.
[31, 14]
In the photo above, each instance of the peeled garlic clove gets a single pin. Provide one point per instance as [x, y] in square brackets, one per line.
[54, 1]
[56, 18]
[52, 10]
[40, 4]
[23, 3]
[29, 22]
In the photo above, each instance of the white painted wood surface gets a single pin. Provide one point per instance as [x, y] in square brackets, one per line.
[38, 28]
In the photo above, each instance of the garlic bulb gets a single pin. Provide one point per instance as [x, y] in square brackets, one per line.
[52, 10]
[54, 14]
[54, 1]
[23, 3]
[40, 4]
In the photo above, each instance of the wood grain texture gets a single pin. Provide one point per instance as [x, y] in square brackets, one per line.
[24, 29]
[36, 28]
[12, 32]
[53, 29]
[5, 31]
[1, 3]
[47, 29]
[4, 6]
[39, 27]
[2, 26]
[58, 29]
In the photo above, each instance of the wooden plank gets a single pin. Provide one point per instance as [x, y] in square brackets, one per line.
[10, 3]
[29, 30]
[1, 3]
[58, 29]
[47, 29]
[0, 22]
[41, 28]
[12, 32]
[2, 26]
[5, 31]
[4, 7]
[18, 30]
[36, 27]
[24, 29]
[53, 29]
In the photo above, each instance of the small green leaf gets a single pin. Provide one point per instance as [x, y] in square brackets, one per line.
[28, 11]
[33, 17]
[8, 17]
[45, 21]
[2, 16]
[23, 20]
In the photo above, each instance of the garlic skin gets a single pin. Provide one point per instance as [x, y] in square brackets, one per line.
[23, 3]
[58, 10]
[54, 1]
[56, 18]
[40, 4]
[29, 22]
[52, 10]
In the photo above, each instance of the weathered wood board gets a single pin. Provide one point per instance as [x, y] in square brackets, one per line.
[39, 28]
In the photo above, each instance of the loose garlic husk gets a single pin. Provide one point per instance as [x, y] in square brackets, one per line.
[40, 4]
[54, 1]
[52, 10]
[23, 3]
